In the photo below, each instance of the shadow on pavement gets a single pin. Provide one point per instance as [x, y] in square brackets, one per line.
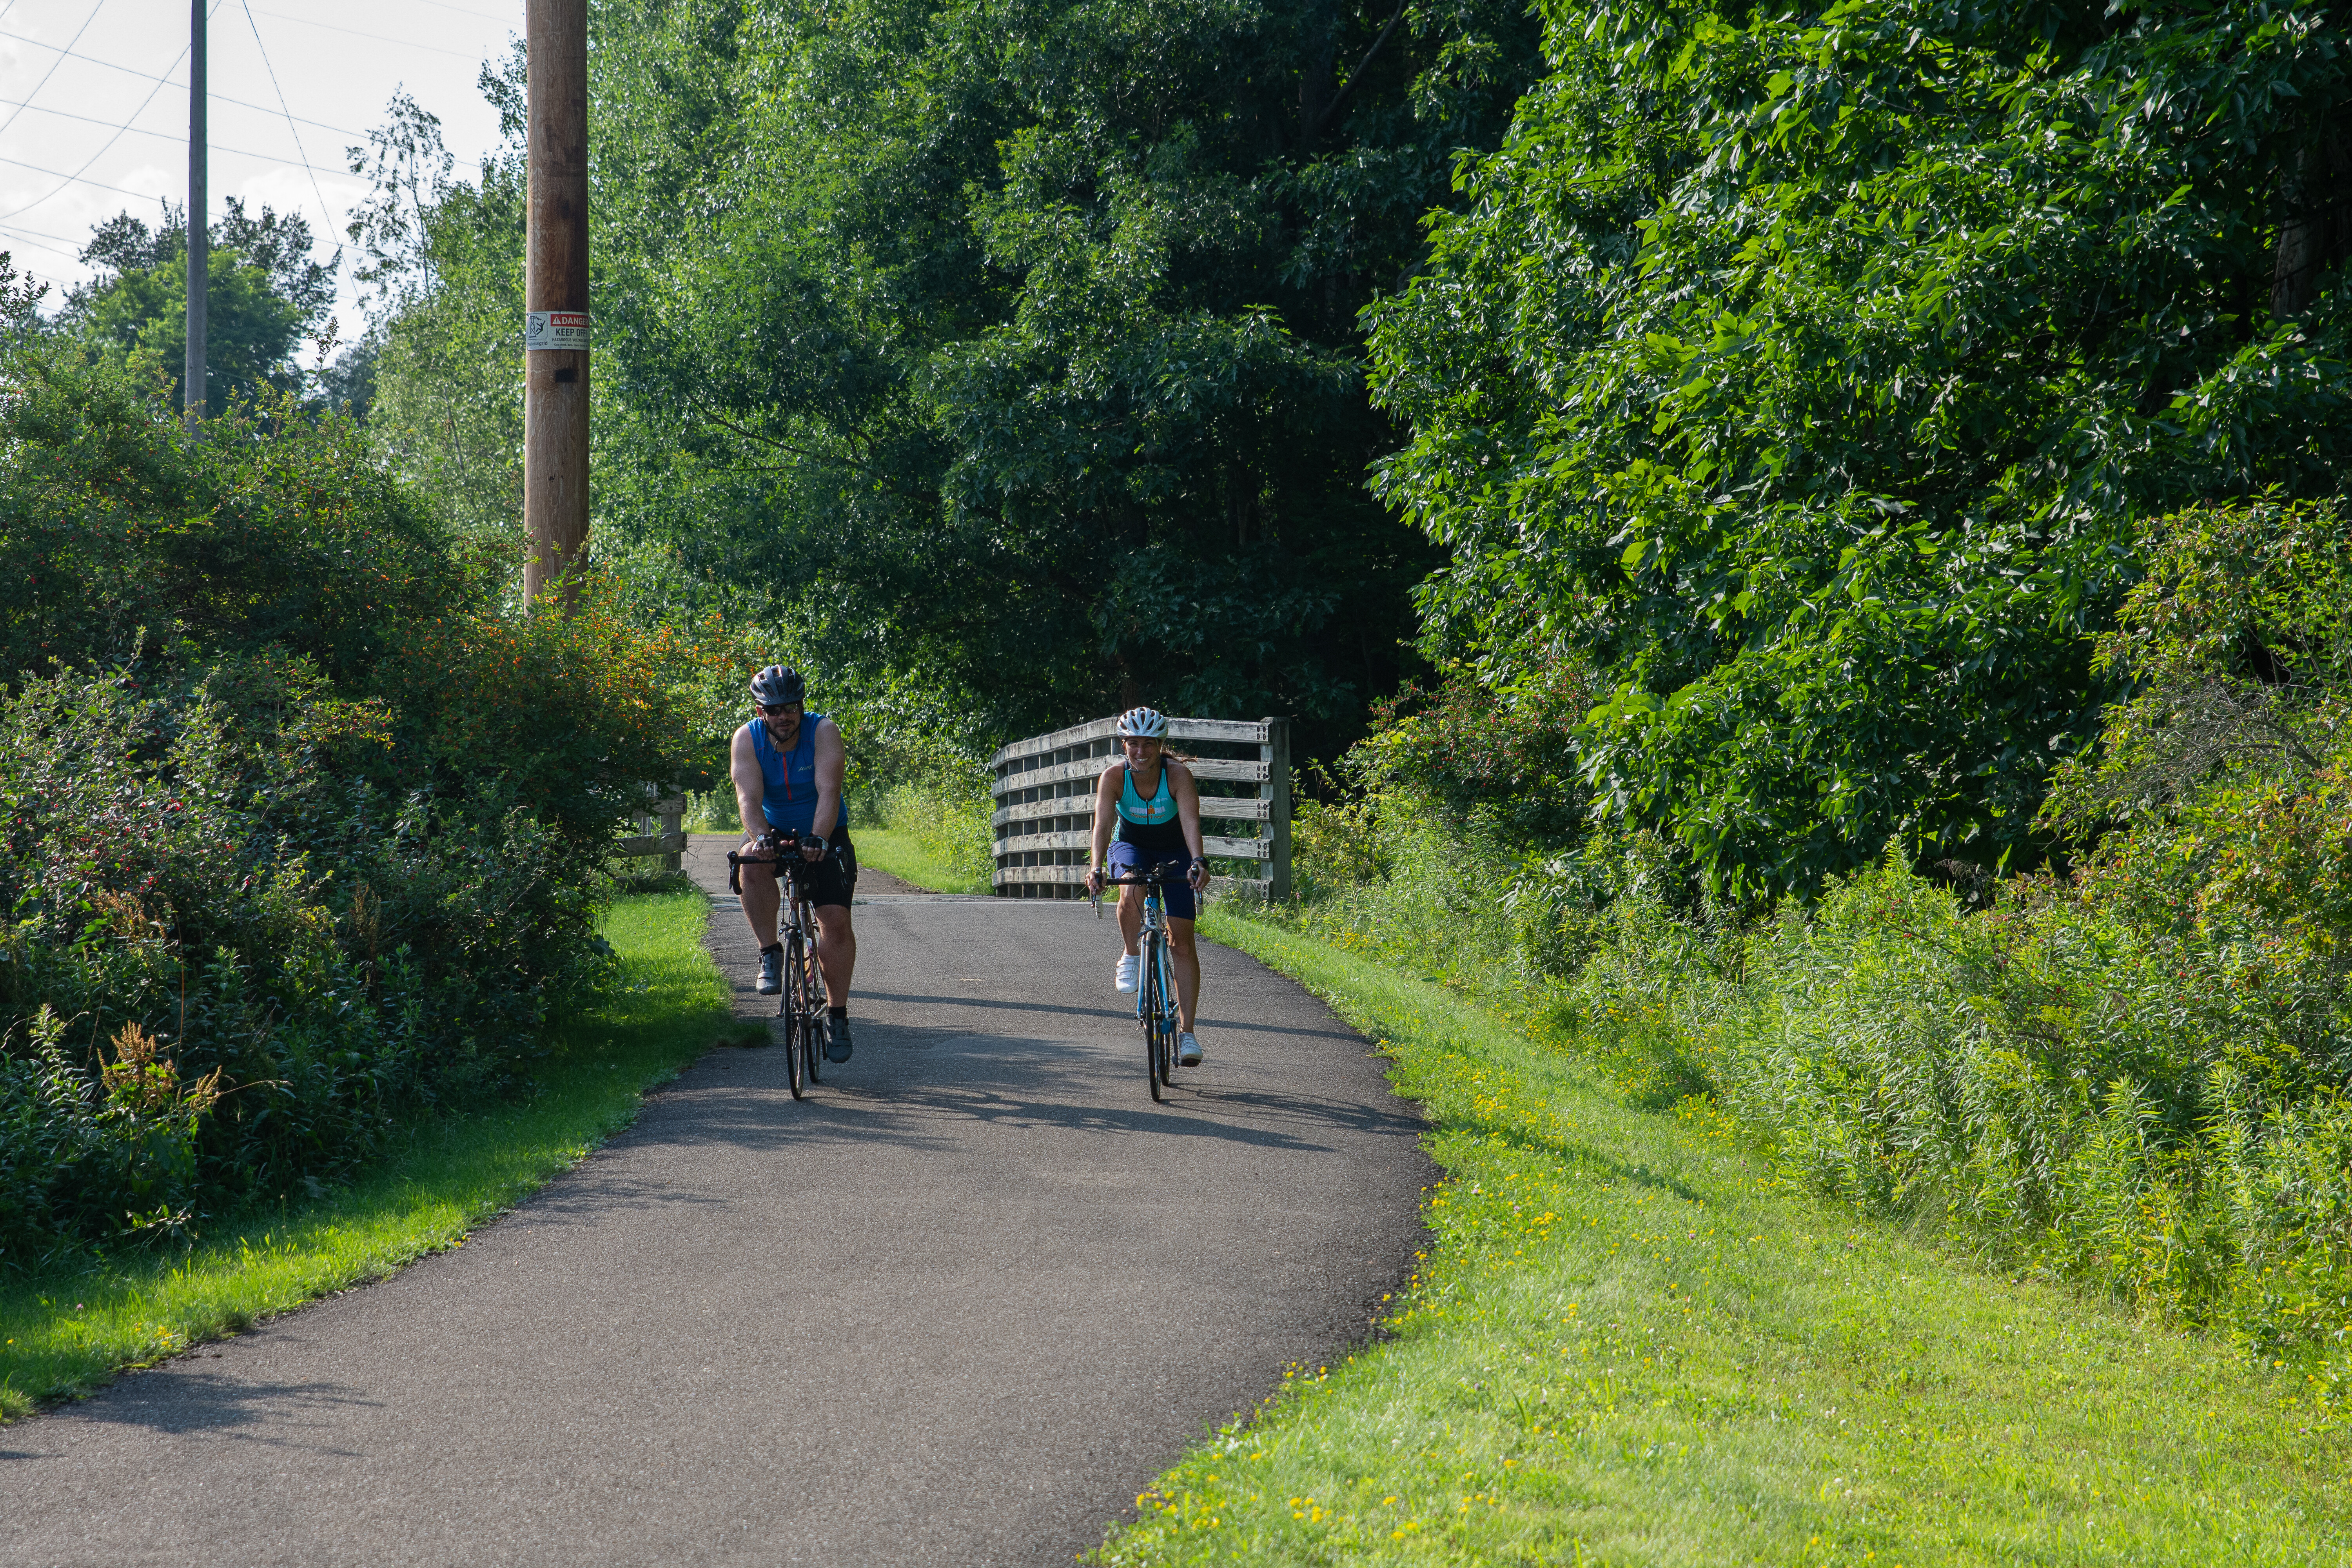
[178, 1399]
[934, 1078]
[1124, 1015]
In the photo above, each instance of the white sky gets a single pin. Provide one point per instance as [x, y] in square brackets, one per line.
[73, 125]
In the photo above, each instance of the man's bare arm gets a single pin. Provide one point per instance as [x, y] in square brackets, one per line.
[751, 783]
[831, 762]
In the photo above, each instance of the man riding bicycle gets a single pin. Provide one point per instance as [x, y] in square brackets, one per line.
[1155, 806]
[787, 765]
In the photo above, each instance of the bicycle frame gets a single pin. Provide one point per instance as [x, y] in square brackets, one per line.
[802, 1002]
[1155, 990]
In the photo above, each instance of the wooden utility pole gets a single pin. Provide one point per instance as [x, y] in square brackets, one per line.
[192, 377]
[555, 301]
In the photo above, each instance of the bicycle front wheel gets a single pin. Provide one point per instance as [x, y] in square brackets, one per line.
[817, 1035]
[1166, 1019]
[795, 1019]
[1150, 1006]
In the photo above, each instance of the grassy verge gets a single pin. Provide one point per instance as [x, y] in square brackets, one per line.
[905, 856]
[1631, 1343]
[67, 1330]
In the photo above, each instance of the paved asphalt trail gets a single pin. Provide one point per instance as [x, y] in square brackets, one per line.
[958, 1307]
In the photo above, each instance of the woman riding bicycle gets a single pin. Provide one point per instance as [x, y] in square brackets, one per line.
[1156, 808]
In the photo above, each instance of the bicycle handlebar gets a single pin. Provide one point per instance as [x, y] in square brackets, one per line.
[1160, 876]
[783, 850]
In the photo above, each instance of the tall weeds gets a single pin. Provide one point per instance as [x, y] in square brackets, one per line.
[2130, 1079]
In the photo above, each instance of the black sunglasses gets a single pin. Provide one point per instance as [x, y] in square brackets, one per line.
[772, 707]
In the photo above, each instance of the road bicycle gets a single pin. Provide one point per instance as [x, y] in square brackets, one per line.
[1155, 985]
[808, 1027]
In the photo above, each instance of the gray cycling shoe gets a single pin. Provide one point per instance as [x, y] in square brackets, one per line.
[1188, 1050]
[771, 970]
[836, 1040]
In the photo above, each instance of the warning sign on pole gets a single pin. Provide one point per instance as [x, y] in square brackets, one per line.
[555, 329]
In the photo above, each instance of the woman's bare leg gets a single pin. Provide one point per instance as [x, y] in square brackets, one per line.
[1187, 963]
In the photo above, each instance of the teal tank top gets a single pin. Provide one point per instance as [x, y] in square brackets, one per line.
[1149, 824]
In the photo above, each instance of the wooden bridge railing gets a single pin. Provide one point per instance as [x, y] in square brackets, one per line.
[1045, 802]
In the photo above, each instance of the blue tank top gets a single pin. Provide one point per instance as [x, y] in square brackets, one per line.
[789, 798]
[1149, 824]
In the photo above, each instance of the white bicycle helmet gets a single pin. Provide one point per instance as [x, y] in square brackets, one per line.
[1144, 724]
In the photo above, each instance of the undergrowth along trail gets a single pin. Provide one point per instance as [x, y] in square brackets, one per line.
[1631, 1342]
[67, 1329]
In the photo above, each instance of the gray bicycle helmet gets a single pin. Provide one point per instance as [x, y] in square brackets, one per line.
[1142, 723]
[776, 684]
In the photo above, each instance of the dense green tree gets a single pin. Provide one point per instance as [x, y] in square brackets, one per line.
[1019, 344]
[125, 537]
[1810, 374]
[264, 291]
[441, 262]
[1013, 349]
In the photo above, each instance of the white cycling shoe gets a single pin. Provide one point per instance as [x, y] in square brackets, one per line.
[1188, 1050]
[1130, 965]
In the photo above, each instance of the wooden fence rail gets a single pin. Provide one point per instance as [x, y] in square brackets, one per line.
[661, 831]
[1044, 793]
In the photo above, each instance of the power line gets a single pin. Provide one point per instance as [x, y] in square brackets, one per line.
[144, 76]
[69, 179]
[78, 176]
[439, 4]
[23, 238]
[324, 211]
[85, 21]
[38, 232]
[110, 140]
[175, 137]
[379, 37]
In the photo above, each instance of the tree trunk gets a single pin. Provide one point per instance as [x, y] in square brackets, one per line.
[2317, 234]
[1315, 86]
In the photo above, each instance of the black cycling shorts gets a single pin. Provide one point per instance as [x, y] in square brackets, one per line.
[1128, 859]
[831, 880]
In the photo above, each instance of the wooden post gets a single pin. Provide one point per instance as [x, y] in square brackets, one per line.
[555, 300]
[1276, 790]
[192, 377]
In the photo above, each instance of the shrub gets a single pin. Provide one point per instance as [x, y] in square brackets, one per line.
[2067, 1091]
[218, 888]
[74, 1142]
[1508, 758]
[300, 833]
[2130, 1077]
[123, 535]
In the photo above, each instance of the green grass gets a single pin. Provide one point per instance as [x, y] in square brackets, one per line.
[1631, 1343]
[903, 856]
[67, 1330]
